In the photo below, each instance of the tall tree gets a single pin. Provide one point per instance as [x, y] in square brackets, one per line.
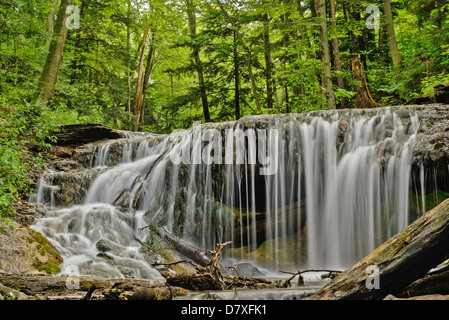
[236, 77]
[138, 100]
[248, 51]
[76, 50]
[357, 62]
[191, 15]
[394, 49]
[269, 65]
[336, 52]
[320, 6]
[50, 72]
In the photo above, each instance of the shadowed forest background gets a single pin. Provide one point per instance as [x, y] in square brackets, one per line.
[159, 65]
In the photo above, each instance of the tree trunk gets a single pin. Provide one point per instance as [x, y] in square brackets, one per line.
[196, 55]
[404, 258]
[51, 21]
[182, 246]
[320, 6]
[146, 79]
[128, 50]
[236, 79]
[336, 52]
[50, 71]
[242, 43]
[271, 86]
[139, 85]
[77, 45]
[391, 34]
[356, 63]
[358, 74]
[294, 31]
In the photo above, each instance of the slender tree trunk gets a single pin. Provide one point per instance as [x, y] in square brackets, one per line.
[236, 78]
[320, 6]
[77, 45]
[336, 51]
[139, 85]
[250, 58]
[271, 85]
[357, 65]
[146, 79]
[50, 71]
[293, 33]
[128, 50]
[51, 21]
[395, 55]
[196, 54]
[268, 70]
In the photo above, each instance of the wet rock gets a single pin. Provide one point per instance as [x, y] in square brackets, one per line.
[245, 269]
[343, 124]
[104, 245]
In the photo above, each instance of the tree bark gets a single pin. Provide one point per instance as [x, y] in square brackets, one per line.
[182, 246]
[139, 85]
[357, 63]
[360, 86]
[320, 6]
[395, 55]
[404, 258]
[196, 55]
[128, 51]
[51, 21]
[236, 79]
[49, 74]
[146, 79]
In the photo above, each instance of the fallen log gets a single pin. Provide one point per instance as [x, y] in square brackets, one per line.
[404, 258]
[194, 282]
[429, 285]
[55, 288]
[75, 135]
[182, 246]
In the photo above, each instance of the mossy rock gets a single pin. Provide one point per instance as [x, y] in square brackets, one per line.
[47, 249]
[24, 250]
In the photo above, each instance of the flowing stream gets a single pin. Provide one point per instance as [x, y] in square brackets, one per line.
[294, 191]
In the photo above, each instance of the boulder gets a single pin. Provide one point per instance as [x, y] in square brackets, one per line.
[26, 251]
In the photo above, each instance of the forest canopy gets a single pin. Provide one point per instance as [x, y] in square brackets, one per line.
[159, 65]
[167, 63]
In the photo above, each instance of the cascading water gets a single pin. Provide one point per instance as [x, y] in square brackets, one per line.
[318, 191]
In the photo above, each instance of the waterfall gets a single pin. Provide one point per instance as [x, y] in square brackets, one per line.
[319, 190]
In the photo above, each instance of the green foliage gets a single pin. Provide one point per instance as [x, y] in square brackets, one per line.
[23, 126]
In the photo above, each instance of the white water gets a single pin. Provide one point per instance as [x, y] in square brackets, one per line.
[333, 198]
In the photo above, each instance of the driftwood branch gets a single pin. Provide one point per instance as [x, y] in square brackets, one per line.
[173, 263]
[89, 293]
[287, 283]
